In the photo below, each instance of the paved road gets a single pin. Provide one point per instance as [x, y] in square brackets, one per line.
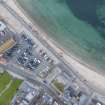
[29, 77]
[66, 67]
[63, 65]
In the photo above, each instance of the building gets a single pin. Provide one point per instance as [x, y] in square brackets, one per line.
[2, 26]
[97, 99]
[7, 45]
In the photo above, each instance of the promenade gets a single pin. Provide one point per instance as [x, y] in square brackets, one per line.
[20, 24]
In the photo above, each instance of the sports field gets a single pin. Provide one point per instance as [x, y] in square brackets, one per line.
[8, 88]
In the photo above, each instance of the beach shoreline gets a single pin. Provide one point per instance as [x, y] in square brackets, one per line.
[84, 70]
[50, 39]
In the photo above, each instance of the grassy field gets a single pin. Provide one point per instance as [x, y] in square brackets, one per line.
[7, 96]
[58, 85]
[4, 79]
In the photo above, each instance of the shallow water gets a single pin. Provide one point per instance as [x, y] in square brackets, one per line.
[77, 25]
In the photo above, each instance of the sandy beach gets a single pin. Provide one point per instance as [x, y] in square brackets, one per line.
[92, 77]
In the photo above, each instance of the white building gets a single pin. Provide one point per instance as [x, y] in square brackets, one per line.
[2, 26]
[29, 97]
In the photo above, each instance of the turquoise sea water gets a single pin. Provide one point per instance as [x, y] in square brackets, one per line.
[77, 25]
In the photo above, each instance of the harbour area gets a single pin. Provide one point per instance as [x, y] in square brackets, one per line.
[59, 78]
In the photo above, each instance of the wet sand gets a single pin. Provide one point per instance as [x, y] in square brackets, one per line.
[94, 78]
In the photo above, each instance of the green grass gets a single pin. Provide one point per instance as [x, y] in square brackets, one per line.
[4, 80]
[6, 98]
[58, 85]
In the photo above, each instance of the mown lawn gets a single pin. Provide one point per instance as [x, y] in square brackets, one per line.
[7, 96]
[58, 85]
[4, 80]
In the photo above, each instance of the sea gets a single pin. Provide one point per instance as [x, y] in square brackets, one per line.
[78, 26]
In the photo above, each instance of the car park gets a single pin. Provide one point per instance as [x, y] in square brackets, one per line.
[24, 37]
[28, 52]
[34, 63]
[21, 60]
[25, 54]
